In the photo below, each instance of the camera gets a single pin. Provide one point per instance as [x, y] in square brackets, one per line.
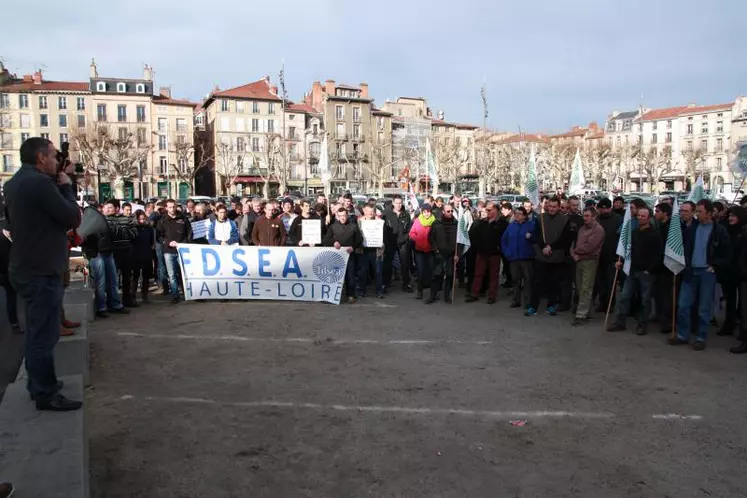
[63, 159]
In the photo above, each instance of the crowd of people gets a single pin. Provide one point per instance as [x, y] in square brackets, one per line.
[563, 252]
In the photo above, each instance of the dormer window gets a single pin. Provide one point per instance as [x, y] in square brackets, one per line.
[100, 86]
[140, 88]
[121, 87]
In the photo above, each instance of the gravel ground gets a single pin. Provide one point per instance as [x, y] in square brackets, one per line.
[392, 398]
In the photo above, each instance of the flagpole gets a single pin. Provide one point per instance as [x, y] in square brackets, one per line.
[736, 195]
[674, 305]
[612, 294]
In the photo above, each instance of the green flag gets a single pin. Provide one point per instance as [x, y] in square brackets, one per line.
[532, 187]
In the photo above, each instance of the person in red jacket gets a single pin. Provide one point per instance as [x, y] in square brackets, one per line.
[419, 232]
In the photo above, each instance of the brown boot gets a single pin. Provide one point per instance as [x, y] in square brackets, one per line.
[66, 332]
[69, 324]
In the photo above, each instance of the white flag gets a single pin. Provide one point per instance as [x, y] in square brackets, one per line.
[698, 191]
[623, 244]
[465, 222]
[577, 183]
[674, 250]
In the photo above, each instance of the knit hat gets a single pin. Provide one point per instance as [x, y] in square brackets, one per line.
[604, 203]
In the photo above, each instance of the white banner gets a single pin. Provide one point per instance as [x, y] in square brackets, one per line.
[252, 272]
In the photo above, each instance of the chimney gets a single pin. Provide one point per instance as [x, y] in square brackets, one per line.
[37, 77]
[148, 73]
[329, 87]
[274, 89]
[27, 78]
[165, 91]
[364, 90]
[94, 71]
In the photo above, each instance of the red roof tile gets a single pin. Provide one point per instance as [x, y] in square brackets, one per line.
[438, 122]
[47, 86]
[259, 90]
[524, 137]
[378, 112]
[666, 113]
[595, 135]
[708, 108]
[462, 126]
[570, 134]
[347, 87]
[307, 109]
[160, 99]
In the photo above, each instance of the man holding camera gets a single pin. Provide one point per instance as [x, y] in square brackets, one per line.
[41, 207]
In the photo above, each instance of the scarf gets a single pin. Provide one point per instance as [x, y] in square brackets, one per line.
[426, 222]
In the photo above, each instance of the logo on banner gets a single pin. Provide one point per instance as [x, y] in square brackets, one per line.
[329, 267]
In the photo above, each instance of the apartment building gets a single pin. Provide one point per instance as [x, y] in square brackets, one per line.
[705, 143]
[31, 106]
[244, 127]
[304, 134]
[619, 128]
[346, 112]
[739, 122]
[116, 115]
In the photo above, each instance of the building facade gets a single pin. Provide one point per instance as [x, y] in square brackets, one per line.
[346, 113]
[112, 125]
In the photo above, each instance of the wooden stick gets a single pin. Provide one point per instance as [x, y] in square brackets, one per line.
[736, 195]
[674, 306]
[453, 280]
[612, 295]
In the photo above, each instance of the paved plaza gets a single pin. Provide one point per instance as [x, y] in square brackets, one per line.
[393, 398]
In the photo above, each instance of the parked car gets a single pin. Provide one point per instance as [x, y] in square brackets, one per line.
[515, 200]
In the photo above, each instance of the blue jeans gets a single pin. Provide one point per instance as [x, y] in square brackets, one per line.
[172, 267]
[698, 286]
[162, 273]
[42, 296]
[641, 284]
[104, 273]
[365, 260]
[424, 263]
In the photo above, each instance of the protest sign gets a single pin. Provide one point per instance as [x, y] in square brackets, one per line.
[373, 233]
[137, 207]
[256, 272]
[200, 229]
[311, 232]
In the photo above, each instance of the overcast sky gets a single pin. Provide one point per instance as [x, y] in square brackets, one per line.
[547, 64]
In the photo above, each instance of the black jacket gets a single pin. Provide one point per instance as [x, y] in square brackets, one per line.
[611, 225]
[40, 214]
[646, 250]
[295, 232]
[663, 229]
[142, 244]
[348, 235]
[443, 236]
[122, 230]
[396, 227]
[485, 236]
[171, 229]
[718, 251]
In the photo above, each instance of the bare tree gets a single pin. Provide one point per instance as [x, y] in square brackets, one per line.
[270, 163]
[653, 163]
[599, 163]
[379, 167]
[121, 149]
[560, 163]
[448, 151]
[184, 169]
[227, 166]
[692, 159]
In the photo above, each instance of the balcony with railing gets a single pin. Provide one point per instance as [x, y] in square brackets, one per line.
[251, 171]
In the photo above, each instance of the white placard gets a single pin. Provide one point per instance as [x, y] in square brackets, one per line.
[200, 228]
[373, 233]
[311, 232]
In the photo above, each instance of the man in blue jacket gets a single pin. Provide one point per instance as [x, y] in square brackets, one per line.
[707, 253]
[222, 231]
[516, 245]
